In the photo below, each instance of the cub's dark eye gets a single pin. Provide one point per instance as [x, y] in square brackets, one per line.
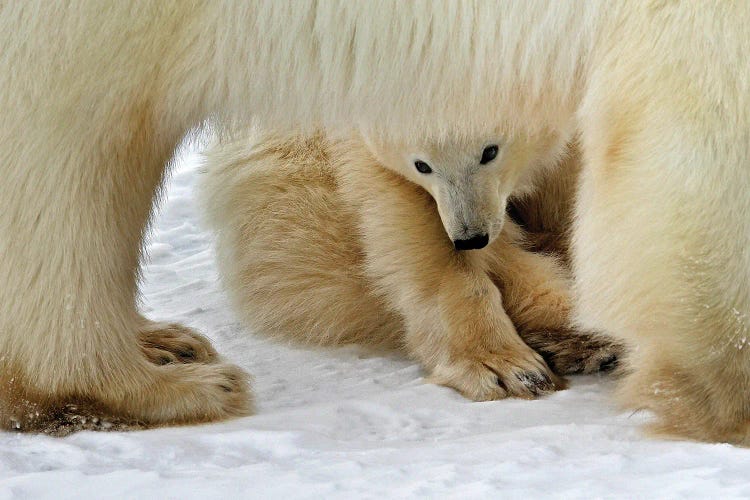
[422, 167]
[489, 154]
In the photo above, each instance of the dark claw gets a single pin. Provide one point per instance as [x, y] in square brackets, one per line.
[502, 384]
[536, 382]
[609, 363]
[188, 353]
[530, 378]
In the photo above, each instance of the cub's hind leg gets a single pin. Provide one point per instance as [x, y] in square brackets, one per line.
[288, 247]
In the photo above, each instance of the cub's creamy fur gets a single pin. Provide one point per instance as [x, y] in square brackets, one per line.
[96, 97]
[321, 242]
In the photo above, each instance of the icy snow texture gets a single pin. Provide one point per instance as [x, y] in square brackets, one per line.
[343, 423]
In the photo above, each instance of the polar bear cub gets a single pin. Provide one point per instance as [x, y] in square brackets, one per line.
[361, 240]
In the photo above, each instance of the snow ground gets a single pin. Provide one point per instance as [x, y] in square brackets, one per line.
[347, 424]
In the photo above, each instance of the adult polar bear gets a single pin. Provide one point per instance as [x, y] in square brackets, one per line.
[95, 99]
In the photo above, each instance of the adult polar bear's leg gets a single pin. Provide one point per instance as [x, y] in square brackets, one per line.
[71, 235]
[84, 147]
[660, 239]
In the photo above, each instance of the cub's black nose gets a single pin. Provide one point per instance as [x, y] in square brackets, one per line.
[473, 243]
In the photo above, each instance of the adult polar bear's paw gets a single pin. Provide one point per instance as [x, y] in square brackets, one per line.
[176, 378]
[175, 393]
[186, 393]
[516, 372]
[186, 362]
[207, 392]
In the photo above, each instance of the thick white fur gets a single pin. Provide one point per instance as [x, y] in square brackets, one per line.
[96, 96]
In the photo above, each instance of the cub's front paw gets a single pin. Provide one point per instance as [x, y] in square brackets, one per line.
[513, 372]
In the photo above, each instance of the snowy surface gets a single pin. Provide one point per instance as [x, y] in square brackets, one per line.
[344, 423]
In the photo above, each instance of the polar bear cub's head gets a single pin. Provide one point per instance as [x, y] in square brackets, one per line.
[472, 178]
